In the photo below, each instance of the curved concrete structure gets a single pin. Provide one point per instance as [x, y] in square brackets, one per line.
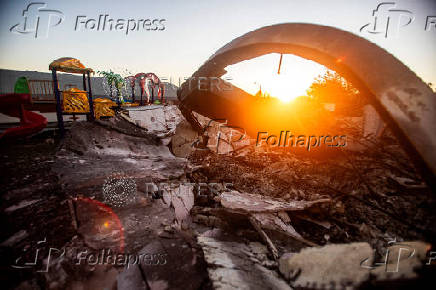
[403, 100]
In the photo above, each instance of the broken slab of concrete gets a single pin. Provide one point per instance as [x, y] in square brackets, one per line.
[254, 203]
[156, 119]
[273, 222]
[184, 140]
[214, 135]
[86, 160]
[403, 260]
[182, 200]
[353, 265]
[222, 138]
[233, 265]
[333, 266]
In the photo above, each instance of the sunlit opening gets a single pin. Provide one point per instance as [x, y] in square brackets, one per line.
[260, 76]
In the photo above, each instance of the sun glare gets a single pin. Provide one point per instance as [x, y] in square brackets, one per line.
[296, 75]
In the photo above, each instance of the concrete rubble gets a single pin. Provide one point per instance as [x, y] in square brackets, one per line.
[158, 120]
[253, 203]
[232, 216]
[233, 265]
[329, 267]
[353, 265]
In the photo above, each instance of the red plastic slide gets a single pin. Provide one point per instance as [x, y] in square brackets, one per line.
[31, 123]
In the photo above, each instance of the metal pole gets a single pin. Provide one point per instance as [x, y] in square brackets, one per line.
[84, 82]
[91, 102]
[58, 103]
[280, 64]
[133, 93]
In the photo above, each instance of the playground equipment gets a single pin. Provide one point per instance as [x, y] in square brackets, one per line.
[73, 101]
[41, 91]
[13, 105]
[153, 79]
[103, 108]
[131, 80]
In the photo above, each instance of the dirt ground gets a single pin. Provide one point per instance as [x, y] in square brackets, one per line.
[26, 175]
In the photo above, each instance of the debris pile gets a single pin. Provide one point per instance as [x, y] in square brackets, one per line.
[211, 214]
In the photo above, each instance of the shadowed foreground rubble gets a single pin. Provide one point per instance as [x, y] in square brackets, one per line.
[253, 218]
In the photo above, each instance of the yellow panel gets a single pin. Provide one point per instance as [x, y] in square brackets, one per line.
[75, 101]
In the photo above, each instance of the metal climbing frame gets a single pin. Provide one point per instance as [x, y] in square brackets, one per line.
[86, 73]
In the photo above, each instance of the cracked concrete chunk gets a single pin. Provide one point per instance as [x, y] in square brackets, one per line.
[235, 265]
[182, 200]
[158, 120]
[183, 140]
[247, 202]
[108, 151]
[403, 259]
[329, 267]
[273, 222]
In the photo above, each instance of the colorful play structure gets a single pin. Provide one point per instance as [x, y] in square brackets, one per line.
[13, 105]
[147, 81]
[70, 101]
[73, 101]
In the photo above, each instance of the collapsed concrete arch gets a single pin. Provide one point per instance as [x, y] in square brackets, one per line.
[401, 98]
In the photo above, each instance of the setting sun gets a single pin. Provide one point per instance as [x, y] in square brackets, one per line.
[296, 75]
